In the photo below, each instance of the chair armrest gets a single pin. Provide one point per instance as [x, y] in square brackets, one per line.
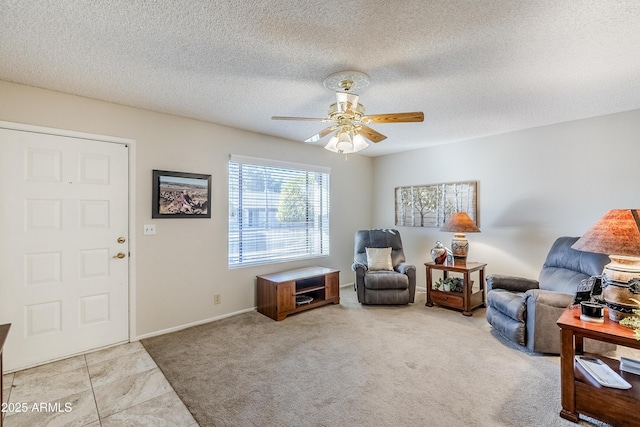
[356, 265]
[410, 271]
[510, 283]
[543, 310]
[404, 268]
[550, 298]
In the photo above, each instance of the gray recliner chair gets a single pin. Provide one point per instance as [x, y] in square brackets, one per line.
[395, 285]
[525, 311]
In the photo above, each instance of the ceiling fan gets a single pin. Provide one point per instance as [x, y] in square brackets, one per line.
[350, 122]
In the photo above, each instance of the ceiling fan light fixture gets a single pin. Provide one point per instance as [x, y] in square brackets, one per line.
[331, 145]
[345, 144]
[359, 143]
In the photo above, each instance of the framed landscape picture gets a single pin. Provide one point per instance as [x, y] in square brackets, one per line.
[431, 205]
[181, 195]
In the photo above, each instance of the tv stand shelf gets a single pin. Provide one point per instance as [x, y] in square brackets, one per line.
[277, 292]
[305, 290]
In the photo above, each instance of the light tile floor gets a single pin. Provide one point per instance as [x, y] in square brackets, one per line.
[117, 386]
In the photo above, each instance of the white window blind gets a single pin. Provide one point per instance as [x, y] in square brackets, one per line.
[278, 211]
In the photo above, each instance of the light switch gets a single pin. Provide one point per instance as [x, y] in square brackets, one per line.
[149, 229]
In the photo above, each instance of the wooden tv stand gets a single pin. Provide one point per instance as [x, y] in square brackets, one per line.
[277, 292]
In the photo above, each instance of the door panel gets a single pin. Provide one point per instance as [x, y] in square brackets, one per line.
[64, 207]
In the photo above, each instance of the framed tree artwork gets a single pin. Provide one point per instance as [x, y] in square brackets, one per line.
[431, 205]
[181, 195]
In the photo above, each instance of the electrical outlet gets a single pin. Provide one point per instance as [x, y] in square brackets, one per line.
[217, 299]
[149, 229]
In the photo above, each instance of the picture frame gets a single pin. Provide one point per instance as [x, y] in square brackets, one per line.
[431, 205]
[181, 195]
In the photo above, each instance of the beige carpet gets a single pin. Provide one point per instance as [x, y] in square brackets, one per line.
[353, 365]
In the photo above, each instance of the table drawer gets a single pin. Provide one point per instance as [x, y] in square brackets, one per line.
[450, 299]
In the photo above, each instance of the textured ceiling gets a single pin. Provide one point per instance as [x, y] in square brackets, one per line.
[475, 67]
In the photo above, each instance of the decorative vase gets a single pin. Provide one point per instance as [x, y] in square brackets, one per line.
[620, 283]
[459, 245]
[622, 268]
[439, 253]
[617, 296]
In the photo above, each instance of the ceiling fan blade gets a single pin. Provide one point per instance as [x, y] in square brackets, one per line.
[417, 116]
[324, 132]
[370, 134]
[312, 119]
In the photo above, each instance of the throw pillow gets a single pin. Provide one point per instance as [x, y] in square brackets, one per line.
[379, 259]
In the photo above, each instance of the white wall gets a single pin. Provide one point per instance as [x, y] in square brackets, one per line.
[185, 263]
[533, 186]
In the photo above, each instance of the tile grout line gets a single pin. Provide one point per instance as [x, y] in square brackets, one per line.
[93, 393]
[2, 414]
[171, 385]
[142, 350]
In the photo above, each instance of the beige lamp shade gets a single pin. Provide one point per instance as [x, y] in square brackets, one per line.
[460, 222]
[616, 233]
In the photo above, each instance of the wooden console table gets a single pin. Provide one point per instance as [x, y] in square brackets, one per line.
[4, 331]
[277, 292]
[581, 394]
[466, 300]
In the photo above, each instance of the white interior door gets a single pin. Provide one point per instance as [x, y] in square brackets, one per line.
[63, 222]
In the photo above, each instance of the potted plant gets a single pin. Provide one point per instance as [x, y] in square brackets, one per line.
[450, 284]
[633, 321]
[457, 284]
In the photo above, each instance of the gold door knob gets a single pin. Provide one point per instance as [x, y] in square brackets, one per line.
[121, 240]
[120, 255]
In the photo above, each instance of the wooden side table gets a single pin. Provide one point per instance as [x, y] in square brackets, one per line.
[466, 300]
[581, 394]
[4, 331]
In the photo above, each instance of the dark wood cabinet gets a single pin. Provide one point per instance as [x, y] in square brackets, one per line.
[288, 292]
[332, 286]
[286, 297]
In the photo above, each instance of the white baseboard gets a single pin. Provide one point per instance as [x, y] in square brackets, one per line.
[202, 322]
[189, 325]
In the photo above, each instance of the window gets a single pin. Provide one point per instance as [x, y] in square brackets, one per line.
[278, 211]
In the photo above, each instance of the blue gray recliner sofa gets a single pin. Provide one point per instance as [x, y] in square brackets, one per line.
[525, 311]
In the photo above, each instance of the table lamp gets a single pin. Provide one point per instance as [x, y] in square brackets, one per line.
[617, 234]
[460, 223]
